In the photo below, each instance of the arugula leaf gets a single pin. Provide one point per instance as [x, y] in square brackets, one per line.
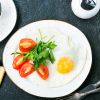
[31, 57]
[36, 64]
[43, 61]
[51, 57]
[39, 49]
[51, 45]
[44, 54]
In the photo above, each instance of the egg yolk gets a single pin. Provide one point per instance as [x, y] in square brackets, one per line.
[65, 65]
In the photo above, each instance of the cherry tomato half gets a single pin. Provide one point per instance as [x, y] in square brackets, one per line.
[18, 62]
[43, 72]
[26, 69]
[26, 44]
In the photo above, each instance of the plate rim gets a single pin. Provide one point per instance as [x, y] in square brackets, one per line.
[53, 21]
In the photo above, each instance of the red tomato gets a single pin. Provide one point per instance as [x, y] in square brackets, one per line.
[43, 72]
[26, 44]
[18, 62]
[26, 69]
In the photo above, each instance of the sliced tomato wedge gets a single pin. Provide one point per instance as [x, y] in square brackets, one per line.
[26, 44]
[26, 69]
[18, 62]
[43, 72]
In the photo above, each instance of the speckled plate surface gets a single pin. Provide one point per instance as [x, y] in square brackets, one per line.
[37, 90]
[8, 18]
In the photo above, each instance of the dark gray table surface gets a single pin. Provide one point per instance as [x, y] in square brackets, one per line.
[34, 10]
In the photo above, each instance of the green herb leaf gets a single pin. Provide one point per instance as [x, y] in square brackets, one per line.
[44, 54]
[43, 61]
[51, 45]
[51, 57]
[36, 64]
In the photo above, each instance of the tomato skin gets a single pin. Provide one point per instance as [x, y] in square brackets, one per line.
[43, 72]
[26, 44]
[18, 62]
[26, 69]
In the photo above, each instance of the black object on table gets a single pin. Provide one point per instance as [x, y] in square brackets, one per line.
[34, 10]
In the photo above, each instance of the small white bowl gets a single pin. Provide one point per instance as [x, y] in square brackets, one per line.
[82, 13]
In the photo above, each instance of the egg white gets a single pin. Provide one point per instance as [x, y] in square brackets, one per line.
[68, 47]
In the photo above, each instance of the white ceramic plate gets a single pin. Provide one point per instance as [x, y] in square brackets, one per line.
[38, 90]
[8, 18]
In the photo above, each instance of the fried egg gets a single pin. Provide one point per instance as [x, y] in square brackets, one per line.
[69, 61]
[65, 65]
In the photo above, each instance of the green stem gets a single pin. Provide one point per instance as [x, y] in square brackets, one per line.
[19, 53]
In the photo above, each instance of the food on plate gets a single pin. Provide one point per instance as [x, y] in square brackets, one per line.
[26, 44]
[65, 65]
[43, 72]
[56, 57]
[34, 56]
[18, 61]
[26, 69]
